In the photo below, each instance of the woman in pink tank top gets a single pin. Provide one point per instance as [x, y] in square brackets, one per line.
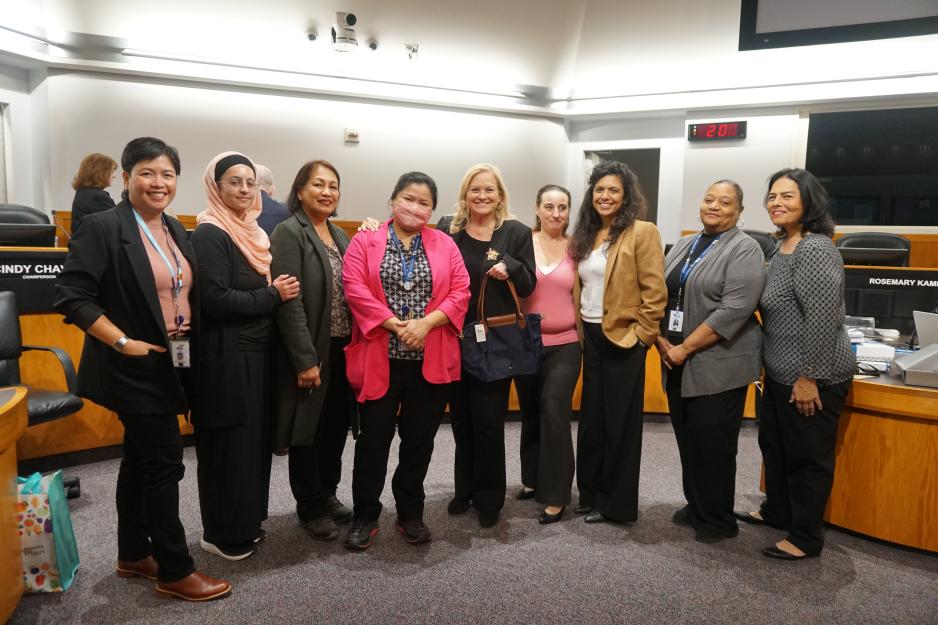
[547, 463]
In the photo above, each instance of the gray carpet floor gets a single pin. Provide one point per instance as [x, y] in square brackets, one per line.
[517, 572]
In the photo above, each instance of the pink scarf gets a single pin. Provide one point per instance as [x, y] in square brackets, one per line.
[246, 234]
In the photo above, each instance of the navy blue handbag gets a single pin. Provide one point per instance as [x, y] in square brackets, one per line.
[496, 348]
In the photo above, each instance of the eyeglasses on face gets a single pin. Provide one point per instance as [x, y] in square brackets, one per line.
[237, 183]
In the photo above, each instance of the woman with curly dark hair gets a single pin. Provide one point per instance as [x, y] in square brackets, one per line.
[808, 364]
[622, 297]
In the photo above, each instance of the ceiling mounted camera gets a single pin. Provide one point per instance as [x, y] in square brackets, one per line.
[343, 32]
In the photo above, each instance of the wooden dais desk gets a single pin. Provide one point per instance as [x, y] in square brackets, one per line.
[886, 476]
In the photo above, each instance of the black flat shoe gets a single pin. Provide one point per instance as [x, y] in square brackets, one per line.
[581, 509]
[525, 493]
[546, 519]
[457, 506]
[747, 517]
[594, 516]
[680, 517]
[488, 519]
[778, 554]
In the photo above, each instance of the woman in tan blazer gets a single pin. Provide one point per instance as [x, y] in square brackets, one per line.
[622, 297]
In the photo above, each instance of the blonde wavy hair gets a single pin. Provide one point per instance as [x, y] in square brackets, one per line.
[461, 216]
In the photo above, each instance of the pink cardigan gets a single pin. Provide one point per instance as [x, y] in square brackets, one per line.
[367, 362]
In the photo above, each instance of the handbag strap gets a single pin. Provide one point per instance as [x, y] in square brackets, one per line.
[480, 306]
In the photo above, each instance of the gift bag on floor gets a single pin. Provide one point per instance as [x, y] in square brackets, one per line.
[50, 554]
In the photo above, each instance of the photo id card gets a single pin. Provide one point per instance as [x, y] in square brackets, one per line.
[676, 321]
[180, 350]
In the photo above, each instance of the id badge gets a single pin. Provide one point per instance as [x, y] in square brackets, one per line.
[676, 321]
[480, 333]
[180, 349]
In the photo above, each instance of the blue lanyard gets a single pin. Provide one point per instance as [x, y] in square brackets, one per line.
[689, 266]
[175, 275]
[407, 264]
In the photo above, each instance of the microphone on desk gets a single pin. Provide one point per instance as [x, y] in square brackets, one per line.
[68, 237]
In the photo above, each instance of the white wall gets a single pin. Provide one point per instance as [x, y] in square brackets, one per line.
[93, 113]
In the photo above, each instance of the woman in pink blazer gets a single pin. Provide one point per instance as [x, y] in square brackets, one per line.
[408, 291]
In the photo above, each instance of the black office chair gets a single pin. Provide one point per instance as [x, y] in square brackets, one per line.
[18, 214]
[766, 241]
[875, 248]
[41, 404]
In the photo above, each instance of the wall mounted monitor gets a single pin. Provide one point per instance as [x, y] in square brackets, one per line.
[773, 24]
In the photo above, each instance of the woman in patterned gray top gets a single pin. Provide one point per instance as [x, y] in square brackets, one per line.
[808, 364]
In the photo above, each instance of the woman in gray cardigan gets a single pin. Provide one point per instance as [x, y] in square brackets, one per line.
[314, 400]
[710, 344]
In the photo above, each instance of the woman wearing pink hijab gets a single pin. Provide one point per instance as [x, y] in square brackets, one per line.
[231, 412]
[408, 290]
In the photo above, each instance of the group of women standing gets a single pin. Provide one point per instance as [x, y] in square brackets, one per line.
[369, 337]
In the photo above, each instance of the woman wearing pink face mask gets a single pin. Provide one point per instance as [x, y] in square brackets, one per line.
[408, 291]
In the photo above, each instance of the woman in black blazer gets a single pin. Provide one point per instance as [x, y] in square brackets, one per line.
[232, 410]
[129, 283]
[492, 243]
[95, 174]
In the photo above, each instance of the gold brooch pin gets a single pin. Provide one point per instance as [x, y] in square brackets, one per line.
[491, 254]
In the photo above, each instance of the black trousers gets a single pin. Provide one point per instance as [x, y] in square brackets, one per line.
[546, 399]
[315, 470]
[798, 452]
[478, 421]
[415, 407]
[148, 495]
[609, 437]
[234, 462]
[707, 433]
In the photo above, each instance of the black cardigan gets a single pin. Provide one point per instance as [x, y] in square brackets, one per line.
[107, 272]
[222, 396]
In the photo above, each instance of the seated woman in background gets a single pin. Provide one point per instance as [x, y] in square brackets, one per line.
[809, 365]
[95, 173]
[622, 300]
[492, 242]
[546, 398]
[710, 345]
[231, 413]
[408, 291]
[314, 401]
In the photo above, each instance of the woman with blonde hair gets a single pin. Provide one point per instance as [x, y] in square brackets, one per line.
[95, 173]
[493, 244]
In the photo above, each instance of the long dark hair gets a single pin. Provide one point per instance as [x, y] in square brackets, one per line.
[303, 176]
[815, 201]
[588, 222]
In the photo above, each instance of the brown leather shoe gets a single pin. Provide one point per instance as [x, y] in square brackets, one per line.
[146, 568]
[195, 587]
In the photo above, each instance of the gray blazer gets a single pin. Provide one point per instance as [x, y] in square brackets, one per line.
[723, 291]
[304, 326]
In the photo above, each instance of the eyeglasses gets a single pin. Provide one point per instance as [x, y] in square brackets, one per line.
[237, 183]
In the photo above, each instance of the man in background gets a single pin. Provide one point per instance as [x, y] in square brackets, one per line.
[272, 211]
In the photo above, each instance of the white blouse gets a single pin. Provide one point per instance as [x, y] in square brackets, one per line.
[592, 270]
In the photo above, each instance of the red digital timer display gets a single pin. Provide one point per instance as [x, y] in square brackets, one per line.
[716, 131]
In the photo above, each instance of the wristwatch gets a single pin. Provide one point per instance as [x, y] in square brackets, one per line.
[121, 343]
